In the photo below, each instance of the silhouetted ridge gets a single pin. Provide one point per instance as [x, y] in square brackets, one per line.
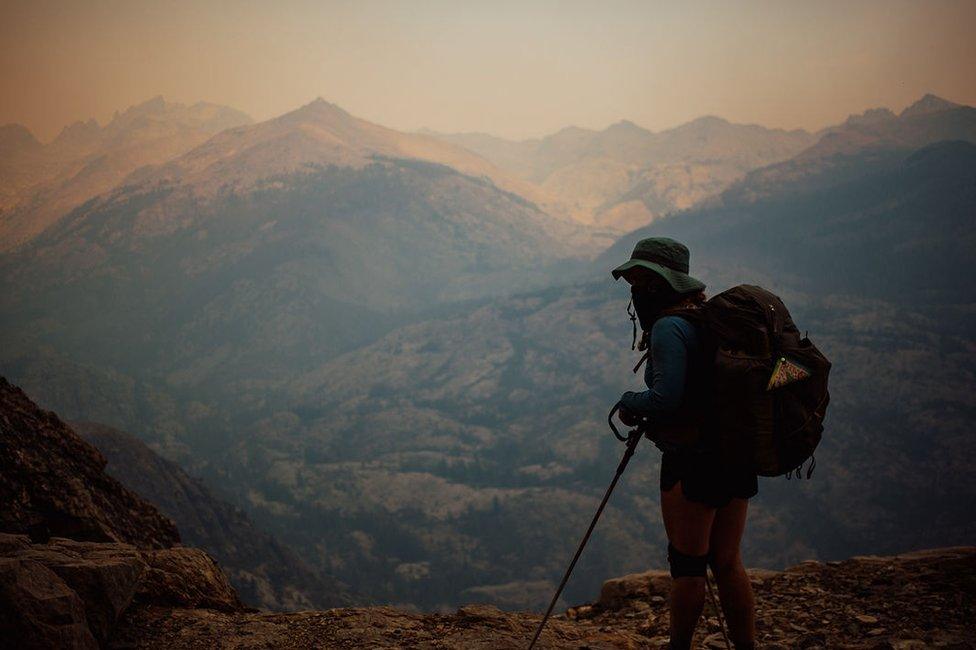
[53, 483]
[16, 136]
[871, 116]
[928, 104]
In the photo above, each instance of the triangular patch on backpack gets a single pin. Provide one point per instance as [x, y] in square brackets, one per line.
[786, 372]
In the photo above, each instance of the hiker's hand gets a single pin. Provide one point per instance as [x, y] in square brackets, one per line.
[628, 417]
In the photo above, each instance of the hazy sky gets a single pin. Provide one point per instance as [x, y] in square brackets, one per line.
[516, 69]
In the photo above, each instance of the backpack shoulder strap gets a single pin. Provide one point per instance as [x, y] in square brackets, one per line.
[693, 312]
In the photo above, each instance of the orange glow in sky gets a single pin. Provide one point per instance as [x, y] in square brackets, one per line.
[516, 69]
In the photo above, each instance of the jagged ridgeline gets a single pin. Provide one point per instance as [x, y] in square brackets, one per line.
[624, 176]
[278, 311]
[39, 183]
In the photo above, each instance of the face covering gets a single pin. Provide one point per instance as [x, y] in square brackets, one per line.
[649, 302]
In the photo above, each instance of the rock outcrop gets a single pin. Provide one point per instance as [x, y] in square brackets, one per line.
[919, 600]
[70, 594]
[77, 548]
[53, 483]
[39, 610]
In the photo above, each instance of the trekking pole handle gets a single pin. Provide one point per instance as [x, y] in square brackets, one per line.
[616, 433]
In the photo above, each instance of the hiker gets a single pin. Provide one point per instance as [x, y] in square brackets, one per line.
[734, 393]
[703, 499]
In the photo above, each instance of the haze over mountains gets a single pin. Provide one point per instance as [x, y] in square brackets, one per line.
[273, 246]
[399, 362]
[39, 183]
[518, 415]
[625, 176]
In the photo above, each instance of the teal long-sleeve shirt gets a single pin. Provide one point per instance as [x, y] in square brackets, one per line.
[674, 346]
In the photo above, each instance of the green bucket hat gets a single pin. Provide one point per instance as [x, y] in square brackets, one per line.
[667, 258]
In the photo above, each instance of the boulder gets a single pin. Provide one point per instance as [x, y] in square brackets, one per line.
[104, 576]
[617, 592]
[38, 610]
[186, 577]
[51, 591]
[9, 544]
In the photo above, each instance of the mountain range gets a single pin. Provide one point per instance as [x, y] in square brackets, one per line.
[400, 368]
[271, 246]
[40, 183]
[625, 176]
[492, 419]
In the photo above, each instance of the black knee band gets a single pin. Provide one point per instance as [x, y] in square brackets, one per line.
[685, 566]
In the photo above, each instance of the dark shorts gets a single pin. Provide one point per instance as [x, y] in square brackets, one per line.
[706, 479]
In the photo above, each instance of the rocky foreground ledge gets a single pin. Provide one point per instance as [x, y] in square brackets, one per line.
[69, 594]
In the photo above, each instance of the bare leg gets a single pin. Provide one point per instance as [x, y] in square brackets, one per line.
[688, 525]
[734, 588]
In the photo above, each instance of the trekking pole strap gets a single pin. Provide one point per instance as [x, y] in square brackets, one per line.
[632, 441]
[613, 427]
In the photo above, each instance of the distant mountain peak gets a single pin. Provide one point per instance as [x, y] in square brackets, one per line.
[709, 120]
[155, 112]
[928, 104]
[16, 137]
[151, 105]
[702, 125]
[871, 116]
[317, 109]
[82, 126]
[570, 131]
[625, 125]
[320, 104]
[79, 133]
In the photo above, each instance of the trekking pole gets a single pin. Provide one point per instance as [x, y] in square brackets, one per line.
[631, 439]
[718, 611]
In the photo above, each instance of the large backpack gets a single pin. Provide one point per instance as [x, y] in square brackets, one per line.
[766, 396]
